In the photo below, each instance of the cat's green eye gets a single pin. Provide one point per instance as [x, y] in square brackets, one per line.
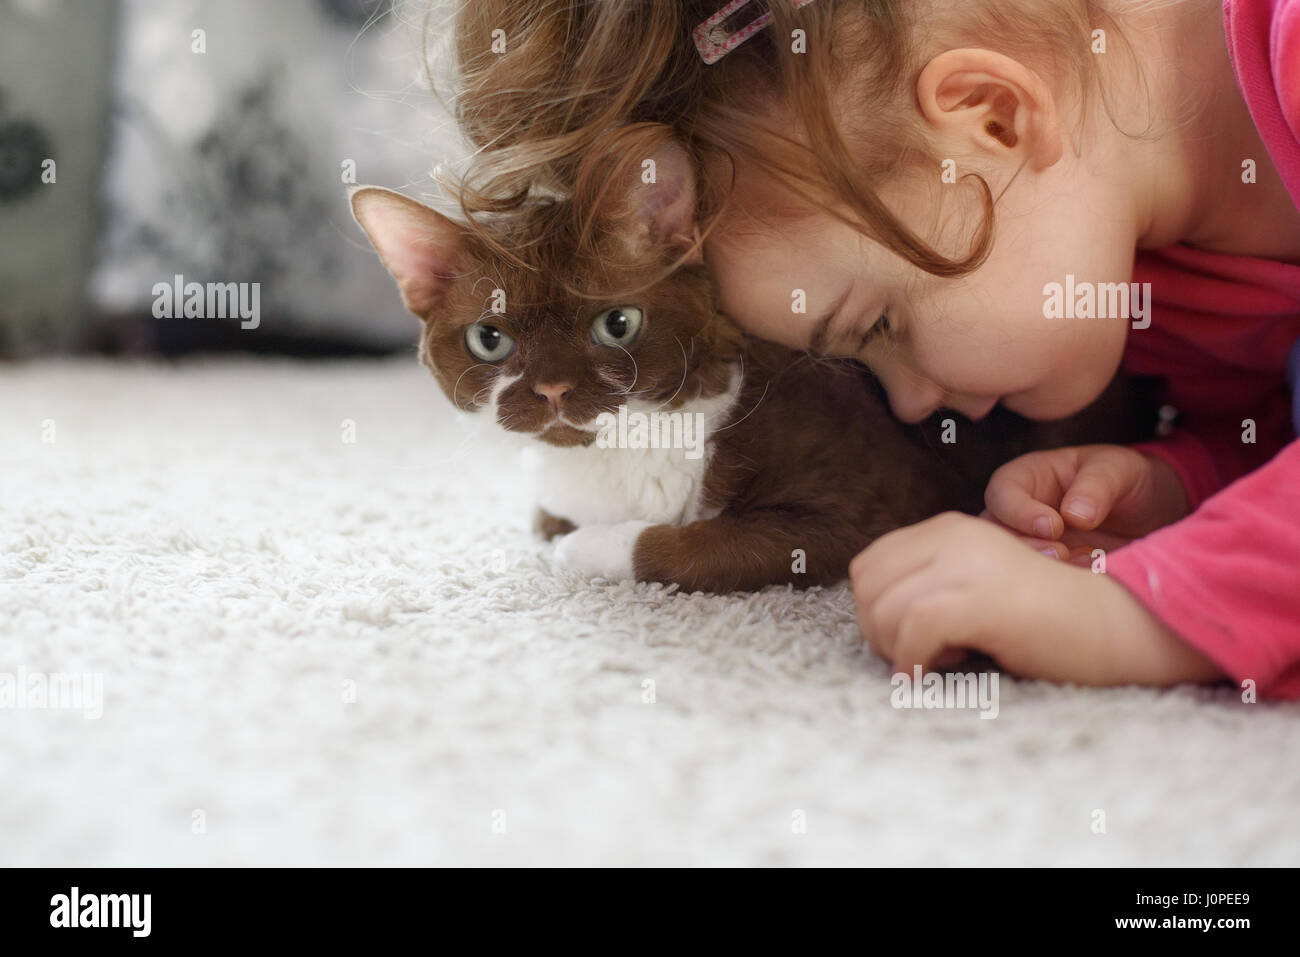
[618, 327]
[488, 342]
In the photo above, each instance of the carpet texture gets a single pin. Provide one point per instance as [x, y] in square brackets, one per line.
[322, 651]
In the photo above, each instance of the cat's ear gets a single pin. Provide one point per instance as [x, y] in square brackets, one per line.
[423, 249]
[662, 199]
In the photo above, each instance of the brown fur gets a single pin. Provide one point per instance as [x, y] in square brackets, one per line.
[550, 306]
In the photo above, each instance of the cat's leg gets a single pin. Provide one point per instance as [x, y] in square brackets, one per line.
[603, 551]
[548, 526]
[747, 551]
[732, 552]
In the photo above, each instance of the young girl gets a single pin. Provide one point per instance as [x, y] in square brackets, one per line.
[990, 201]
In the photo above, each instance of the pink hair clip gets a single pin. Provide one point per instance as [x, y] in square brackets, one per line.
[714, 42]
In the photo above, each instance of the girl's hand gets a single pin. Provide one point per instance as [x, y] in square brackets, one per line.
[1073, 500]
[928, 593]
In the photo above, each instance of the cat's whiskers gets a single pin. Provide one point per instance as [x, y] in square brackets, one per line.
[749, 413]
[685, 373]
[759, 402]
[456, 387]
[612, 380]
[636, 371]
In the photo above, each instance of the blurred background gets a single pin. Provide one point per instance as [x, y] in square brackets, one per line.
[212, 139]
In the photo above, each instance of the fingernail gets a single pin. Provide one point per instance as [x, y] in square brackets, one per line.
[1082, 508]
[1043, 527]
[1049, 552]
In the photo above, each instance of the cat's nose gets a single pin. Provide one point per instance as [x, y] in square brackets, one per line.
[552, 392]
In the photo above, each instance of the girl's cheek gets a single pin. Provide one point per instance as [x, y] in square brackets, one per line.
[913, 362]
[972, 357]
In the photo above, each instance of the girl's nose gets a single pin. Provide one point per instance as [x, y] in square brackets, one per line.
[911, 397]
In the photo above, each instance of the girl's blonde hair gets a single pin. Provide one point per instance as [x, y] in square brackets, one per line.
[546, 86]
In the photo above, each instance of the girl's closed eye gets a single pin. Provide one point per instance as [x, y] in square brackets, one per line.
[833, 337]
[858, 337]
[877, 330]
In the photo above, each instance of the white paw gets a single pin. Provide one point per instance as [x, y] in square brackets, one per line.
[601, 551]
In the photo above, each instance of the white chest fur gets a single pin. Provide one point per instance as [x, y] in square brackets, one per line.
[621, 480]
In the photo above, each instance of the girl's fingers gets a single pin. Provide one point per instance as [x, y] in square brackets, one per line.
[1089, 549]
[894, 565]
[898, 555]
[1022, 494]
[868, 594]
[1104, 477]
[1051, 547]
[879, 620]
[949, 658]
[932, 629]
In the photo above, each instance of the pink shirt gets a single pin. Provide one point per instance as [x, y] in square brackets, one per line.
[1227, 577]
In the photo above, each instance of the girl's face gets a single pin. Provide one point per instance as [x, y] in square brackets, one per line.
[809, 281]
[965, 343]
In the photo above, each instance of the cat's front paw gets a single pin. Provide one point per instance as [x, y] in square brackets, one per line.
[601, 551]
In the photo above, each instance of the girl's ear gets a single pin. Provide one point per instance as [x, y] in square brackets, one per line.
[662, 200]
[423, 249]
[992, 102]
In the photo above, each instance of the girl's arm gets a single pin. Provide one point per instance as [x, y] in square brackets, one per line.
[1227, 578]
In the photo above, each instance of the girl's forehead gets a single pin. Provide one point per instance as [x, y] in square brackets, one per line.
[776, 246]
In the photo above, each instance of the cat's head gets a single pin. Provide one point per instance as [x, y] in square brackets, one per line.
[547, 343]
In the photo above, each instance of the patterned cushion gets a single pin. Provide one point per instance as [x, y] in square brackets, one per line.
[227, 165]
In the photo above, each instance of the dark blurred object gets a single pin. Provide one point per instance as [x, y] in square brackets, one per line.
[55, 61]
[238, 127]
[24, 148]
[136, 334]
[355, 12]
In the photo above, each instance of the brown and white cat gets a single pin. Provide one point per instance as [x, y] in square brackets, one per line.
[785, 465]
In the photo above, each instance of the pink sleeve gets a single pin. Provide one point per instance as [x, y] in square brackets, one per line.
[1209, 455]
[1264, 43]
[1194, 463]
[1284, 57]
[1227, 578]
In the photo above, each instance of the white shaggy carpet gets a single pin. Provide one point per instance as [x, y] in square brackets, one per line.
[202, 536]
